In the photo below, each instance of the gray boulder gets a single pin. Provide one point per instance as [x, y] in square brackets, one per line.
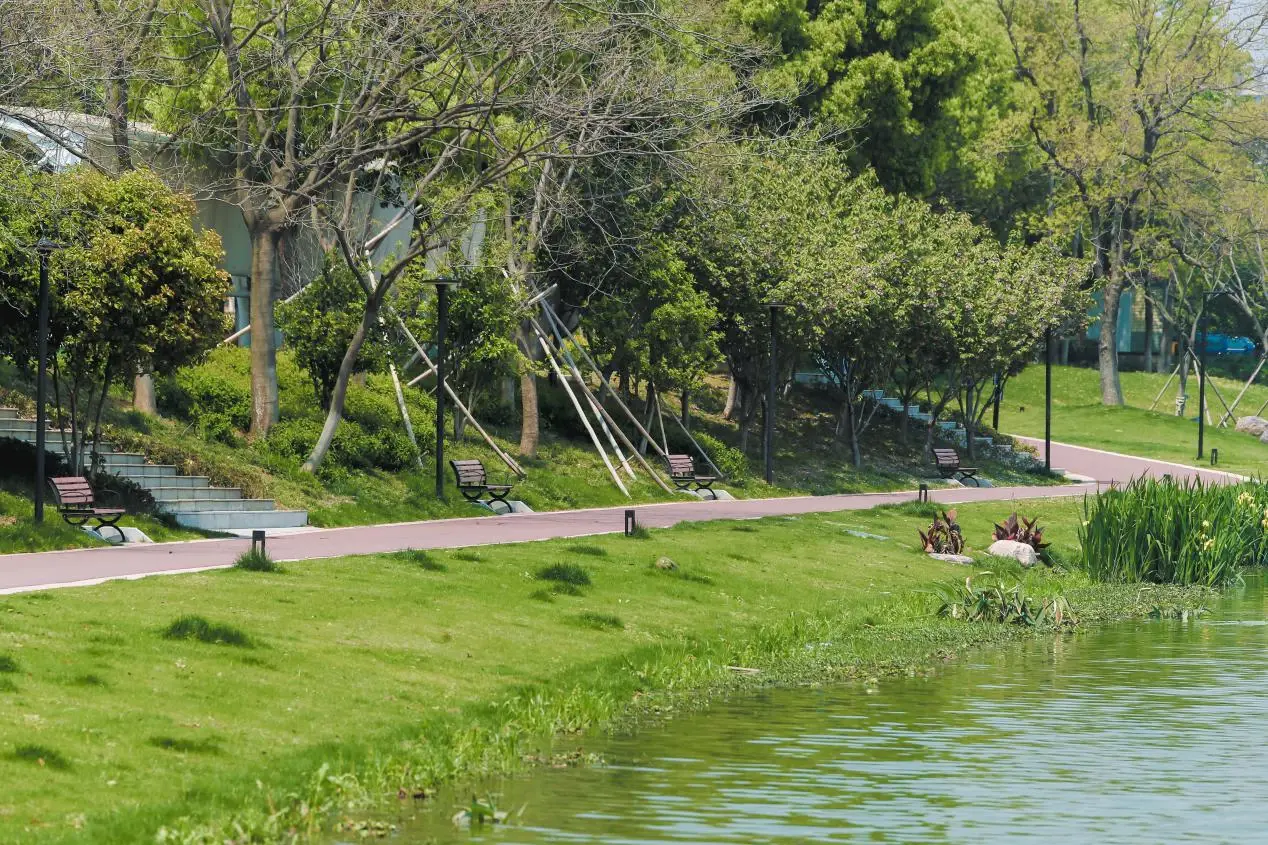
[951, 558]
[1257, 426]
[1023, 553]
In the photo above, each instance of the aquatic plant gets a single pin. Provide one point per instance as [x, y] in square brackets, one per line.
[1166, 532]
[1002, 602]
[479, 812]
[1021, 531]
[944, 536]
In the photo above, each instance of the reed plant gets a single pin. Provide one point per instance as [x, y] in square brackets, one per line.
[1169, 532]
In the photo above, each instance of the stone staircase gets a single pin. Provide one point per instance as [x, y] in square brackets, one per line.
[949, 429]
[190, 499]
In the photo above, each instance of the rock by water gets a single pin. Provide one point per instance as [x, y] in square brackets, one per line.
[1023, 553]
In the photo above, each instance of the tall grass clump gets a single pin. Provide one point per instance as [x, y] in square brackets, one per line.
[1165, 532]
[256, 560]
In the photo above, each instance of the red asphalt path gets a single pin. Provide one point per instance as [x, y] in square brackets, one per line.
[78, 567]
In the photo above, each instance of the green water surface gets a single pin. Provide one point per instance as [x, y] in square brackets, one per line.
[1142, 732]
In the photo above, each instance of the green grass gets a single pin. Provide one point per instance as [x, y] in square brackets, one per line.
[1079, 418]
[393, 676]
[20, 533]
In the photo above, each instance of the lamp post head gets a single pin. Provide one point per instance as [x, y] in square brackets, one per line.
[44, 246]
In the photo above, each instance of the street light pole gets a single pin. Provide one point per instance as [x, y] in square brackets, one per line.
[44, 248]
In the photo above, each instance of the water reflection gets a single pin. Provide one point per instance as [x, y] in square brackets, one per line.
[1138, 733]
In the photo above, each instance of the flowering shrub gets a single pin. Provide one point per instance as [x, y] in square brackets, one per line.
[1167, 532]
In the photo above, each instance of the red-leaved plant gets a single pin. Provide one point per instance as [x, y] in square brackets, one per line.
[1023, 531]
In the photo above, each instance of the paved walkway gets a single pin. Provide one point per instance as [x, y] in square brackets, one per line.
[24, 572]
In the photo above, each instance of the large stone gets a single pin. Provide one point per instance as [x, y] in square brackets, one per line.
[1263, 438]
[1023, 553]
[1257, 426]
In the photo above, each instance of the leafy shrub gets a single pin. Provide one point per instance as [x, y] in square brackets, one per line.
[17, 461]
[353, 447]
[1166, 532]
[944, 537]
[731, 461]
[256, 560]
[127, 493]
[1000, 602]
[198, 628]
[215, 397]
[564, 573]
[1023, 531]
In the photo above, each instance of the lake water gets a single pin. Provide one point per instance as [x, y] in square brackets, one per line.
[1142, 732]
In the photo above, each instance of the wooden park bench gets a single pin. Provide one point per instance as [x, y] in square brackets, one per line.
[473, 484]
[948, 461]
[682, 471]
[78, 505]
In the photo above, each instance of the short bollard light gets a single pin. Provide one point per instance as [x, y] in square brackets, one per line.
[630, 524]
[1215, 457]
[257, 542]
[922, 494]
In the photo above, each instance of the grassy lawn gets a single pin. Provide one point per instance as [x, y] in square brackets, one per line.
[1079, 418]
[399, 671]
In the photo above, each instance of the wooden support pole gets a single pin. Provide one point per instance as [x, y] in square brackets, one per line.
[1170, 379]
[603, 383]
[1224, 419]
[699, 449]
[404, 409]
[585, 418]
[506, 459]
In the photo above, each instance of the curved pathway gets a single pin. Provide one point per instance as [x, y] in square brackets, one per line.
[76, 567]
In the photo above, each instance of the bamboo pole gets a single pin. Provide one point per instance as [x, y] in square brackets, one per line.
[602, 381]
[401, 406]
[1210, 384]
[1170, 379]
[617, 429]
[506, 459]
[585, 419]
[1245, 387]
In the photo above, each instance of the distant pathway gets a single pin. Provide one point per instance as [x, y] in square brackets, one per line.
[76, 567]
[1115, 467]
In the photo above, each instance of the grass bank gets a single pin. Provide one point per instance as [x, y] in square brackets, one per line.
[242, 706]
[1078, 417]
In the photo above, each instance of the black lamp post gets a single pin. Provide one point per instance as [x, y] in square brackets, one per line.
[442, 326]
[44, 247]
[768, 438]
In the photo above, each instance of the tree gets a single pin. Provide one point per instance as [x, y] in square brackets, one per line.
[137, 288]
[1124, 97]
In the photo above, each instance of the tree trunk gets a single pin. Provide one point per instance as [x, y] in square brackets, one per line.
[732, 395]
[1149, 335]
[530, 429]
[369, 321]
[1107, 345]
[264, 404]
[685, 410]
[143, 394]
[852, 424]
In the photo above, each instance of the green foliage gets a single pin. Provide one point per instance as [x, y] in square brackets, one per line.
[198, 628]
[564, 573]
[216, 398]
[1004, 603]
[319, 324]
[944, 536]
[136, 286]
[1021, 531]
[256, 560]
[731, 461]
[1166, 532]
[8, 664]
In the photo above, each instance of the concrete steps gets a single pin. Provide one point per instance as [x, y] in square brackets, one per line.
[948, 428]
[191, 499]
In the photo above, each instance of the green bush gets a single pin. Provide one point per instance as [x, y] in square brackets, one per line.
[17, 462]
[215, 397]
[256, 561]
[198, 628]
[354, 447]
[731, 461]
